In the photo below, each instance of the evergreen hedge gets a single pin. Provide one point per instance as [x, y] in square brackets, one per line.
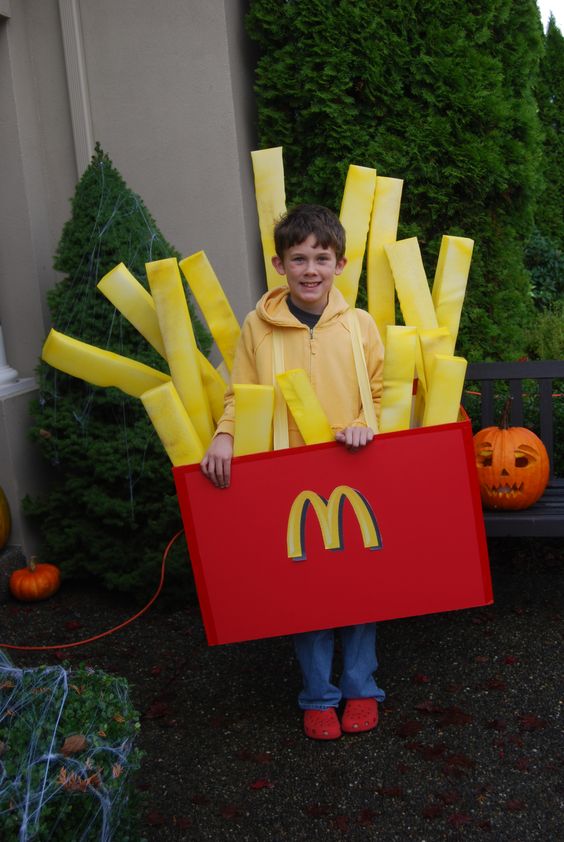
[111, 506]
[549, 215]
[439, 93]
[545, 250]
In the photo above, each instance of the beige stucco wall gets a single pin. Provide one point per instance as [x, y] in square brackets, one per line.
[167, 90]
[161, 84]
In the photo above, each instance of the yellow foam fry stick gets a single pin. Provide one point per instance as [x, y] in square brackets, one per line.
[431, 342]
[100, 367]
[445, 390]
[213, 303]
[270, 195]
[214, 384]
[180, 344]
[254, 406]
[305, 407]
[134, 302]
[411, 283]
[413, 290]
[223, 372]
[173, 425]
[436, 341]
[383, 230]
[449, 286]
[356, 208]
[399, 370]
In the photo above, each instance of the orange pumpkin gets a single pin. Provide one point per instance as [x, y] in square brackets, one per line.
[5, 520]
[512, 463]
[35, 581]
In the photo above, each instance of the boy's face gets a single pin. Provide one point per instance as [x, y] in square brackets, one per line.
[309, 270]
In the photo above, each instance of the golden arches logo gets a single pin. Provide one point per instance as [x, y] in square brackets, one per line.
[330, 518]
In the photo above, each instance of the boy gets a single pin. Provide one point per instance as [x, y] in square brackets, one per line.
[310, 321]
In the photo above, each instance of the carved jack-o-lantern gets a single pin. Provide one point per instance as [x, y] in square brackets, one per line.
[513, 465]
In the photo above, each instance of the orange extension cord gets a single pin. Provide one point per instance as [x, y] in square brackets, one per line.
[109, 631]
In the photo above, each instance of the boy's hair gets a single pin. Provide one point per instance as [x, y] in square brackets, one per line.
[297, 225]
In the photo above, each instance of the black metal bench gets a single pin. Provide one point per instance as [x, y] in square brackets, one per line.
[546, 517]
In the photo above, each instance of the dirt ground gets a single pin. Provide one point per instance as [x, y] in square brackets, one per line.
[470, 741]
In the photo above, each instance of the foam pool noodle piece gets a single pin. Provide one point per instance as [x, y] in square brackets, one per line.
[449, 285]
[213, 303]
[133, 301]
[100, 367]
[254, 406]
[180, 344]
[270, 193]
[431, 342]
[305, 407]
[412, 290]
[214, 385]
[136, 304]
[356, 208]
[399, 369]
[383, 230]
[411, 283]
[443, 398]
[173, 425]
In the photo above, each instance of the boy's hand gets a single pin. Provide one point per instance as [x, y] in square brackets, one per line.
[354, 437]
[216, 464]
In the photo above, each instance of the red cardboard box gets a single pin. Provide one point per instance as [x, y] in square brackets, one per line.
[319, 537]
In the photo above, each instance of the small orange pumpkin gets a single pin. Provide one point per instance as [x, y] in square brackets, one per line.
[35, 581]
[5, 520]
[512, 463]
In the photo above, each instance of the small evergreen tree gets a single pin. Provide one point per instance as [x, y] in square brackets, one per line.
[111, 506]
[545, 250]
[549, 215]
[438, 93]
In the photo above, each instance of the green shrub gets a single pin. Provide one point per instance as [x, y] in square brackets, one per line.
[67, 755]
[545, 262]
[111, 506]
[546, 337]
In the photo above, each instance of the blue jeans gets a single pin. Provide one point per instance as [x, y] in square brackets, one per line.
[314, 651]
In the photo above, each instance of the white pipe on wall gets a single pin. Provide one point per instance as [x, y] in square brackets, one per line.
[8, 375]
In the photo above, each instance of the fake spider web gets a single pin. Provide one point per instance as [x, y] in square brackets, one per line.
[81, 298]
[66, 754]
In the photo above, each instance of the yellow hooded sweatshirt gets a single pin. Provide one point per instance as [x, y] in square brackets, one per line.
[324, 352]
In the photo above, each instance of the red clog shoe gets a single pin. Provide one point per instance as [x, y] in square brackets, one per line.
[360, 715]
[322, 724]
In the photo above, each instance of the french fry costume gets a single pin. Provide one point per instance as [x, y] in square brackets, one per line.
[325, 352]
[299, 377]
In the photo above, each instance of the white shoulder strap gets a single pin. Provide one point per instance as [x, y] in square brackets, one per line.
[362, 371]
[280, 420]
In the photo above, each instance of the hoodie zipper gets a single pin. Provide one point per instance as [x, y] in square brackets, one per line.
[310, 350]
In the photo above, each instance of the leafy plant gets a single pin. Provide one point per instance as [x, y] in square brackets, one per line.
[111, 505]
[67, 739]
[545, 262]
[546, 337]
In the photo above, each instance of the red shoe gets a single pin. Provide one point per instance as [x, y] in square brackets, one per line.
[360, 715]
[322, 724]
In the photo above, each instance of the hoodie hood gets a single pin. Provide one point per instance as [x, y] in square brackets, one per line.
[272, 308]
